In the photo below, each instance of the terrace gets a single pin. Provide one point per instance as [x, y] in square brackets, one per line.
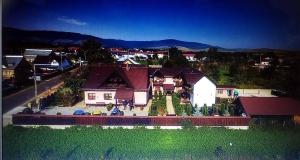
[158, 81]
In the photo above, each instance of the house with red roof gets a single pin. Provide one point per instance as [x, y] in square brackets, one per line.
[191, 83]
[279, 108]
[116, 84]
[190, 56]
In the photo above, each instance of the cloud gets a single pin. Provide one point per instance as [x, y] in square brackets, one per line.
[71, 21]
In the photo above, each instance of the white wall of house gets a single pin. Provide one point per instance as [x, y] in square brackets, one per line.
[140, 98]
[204, 92]
[222, 93]
[99, 97]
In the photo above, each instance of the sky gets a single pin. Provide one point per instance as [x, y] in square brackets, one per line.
[229, 24]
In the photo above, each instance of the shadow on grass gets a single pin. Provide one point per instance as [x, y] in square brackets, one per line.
[107, 153]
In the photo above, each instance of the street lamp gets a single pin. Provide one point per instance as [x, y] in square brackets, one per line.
[34, 76]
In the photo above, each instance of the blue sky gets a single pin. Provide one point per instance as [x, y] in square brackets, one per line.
[229, 24]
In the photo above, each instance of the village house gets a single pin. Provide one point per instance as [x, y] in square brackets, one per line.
[55, 62]
[126, 60]
[31, 54]
[10, 64]
[117, 84]
[190, 56]
[16, 71]
[193, 85]
[276, 109]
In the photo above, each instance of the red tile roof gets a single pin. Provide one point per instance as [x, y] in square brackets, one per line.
[191, 75]
[270, 105]
[124, 93]
[193, 78]
[136, 76]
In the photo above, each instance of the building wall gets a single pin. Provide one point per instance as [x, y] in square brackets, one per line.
[140, 98]
[204, 92]
[222, 93]
[99, 97]
[255, 92]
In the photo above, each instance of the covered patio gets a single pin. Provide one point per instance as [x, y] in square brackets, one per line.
[125, 97]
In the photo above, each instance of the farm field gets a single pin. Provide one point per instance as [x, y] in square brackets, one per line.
[97, 143]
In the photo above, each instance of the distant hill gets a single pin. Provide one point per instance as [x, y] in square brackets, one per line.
[53, 38]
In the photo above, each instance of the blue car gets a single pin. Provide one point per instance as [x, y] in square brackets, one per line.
[79, 112]
[117, 112]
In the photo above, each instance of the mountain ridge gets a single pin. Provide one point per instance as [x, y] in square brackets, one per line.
[70, 38]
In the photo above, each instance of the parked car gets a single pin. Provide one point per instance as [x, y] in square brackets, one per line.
[27, 111]
[79, 112]
[96, 112]
[117, 112]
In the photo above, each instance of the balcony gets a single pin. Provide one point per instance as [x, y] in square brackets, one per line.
[158, 82]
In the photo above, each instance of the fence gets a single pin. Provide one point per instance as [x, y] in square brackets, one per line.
[22, 119]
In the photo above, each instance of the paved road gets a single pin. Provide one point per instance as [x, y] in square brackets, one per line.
[25, 95]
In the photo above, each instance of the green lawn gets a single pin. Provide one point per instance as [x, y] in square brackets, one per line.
[96, 143]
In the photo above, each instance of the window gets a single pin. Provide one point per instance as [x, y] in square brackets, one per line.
[220, 91]
[91, 96]
[107, 96]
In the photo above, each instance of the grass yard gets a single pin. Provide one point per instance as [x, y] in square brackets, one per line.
[97, 143]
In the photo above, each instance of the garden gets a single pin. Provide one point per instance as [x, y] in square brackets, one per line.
[80, 142]
[224, 108]
[158, 106]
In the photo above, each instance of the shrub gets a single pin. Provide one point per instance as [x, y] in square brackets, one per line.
[155, 95]
[222, 109]
[205, 110]
[65, 96]
[109, 106]
[188, 109]
[186, 124]
[161, 111]
[160, 95]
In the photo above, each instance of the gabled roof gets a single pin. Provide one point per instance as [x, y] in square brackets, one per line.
[41, 52]
[193, 78]
[169, 72]
[12, 61]
[283, 106]
[190, 75]
[48, 59]
[135, 75]
[126, 58]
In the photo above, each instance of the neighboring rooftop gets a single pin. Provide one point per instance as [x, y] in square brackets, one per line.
[41, 52]
[11, 61]
[270, 106]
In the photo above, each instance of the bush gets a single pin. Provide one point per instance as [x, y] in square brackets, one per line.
[205, 110]
[188, 109]
[186, 124]
[109, 106]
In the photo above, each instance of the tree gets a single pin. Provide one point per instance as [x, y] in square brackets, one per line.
[176, 59]
[66, 96]
[93, 52]
[205, 110]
